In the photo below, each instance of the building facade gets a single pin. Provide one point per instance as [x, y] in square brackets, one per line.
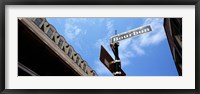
[173, 30]
[42, 51]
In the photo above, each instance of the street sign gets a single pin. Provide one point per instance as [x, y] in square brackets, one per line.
[115, 65]
[108, 61]
[130, 33]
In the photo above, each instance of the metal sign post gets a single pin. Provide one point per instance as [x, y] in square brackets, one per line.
[115, 65]
[114, 44]
[117, 62]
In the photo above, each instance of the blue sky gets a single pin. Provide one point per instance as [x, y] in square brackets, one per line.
[144, 55]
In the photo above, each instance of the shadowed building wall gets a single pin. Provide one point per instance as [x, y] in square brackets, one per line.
[173, 30]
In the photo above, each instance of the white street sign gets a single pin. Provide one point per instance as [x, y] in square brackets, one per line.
[131, 33]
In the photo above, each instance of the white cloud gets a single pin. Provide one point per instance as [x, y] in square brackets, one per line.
[152, 38]
[156, 35]
[124, 44]
[74, 33]
[110, 28]
[138, 50]
[109, 25]
[125, 52]
[71, 30]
